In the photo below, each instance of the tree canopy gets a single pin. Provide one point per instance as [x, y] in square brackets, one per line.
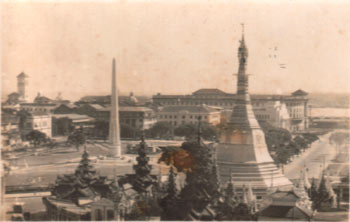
[36, 137]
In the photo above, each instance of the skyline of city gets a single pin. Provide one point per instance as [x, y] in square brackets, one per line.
[74, 56]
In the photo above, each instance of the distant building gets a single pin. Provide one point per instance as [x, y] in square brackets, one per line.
[9, 129]
[138, 117]
[22, 83]
[31, 121]
[38, 108]
[64, 124]
[65, 109]
[273, 112]
[39, 99]
[94, 100]
[130, 100]
[296, 103]
[13, 98]
[134, 116]
[96, 111]
[178, 115]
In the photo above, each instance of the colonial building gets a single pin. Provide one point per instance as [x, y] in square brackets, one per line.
[96, 111]
[296, 104]
[9, 129]
[179, 115]
[130, 100]
[64, 124]
[38, 108]
[65, 109]
[134, 116]
[31, 121]
[138, 117]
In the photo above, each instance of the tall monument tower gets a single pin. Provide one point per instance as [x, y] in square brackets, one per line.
[21, 86]
[114, 128]
[242, 153]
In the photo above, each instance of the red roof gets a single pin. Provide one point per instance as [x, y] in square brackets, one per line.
[208, 91]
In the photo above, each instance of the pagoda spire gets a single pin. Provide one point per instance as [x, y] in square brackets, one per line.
[242, 83]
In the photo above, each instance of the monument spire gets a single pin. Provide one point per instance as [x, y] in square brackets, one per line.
[114, 128]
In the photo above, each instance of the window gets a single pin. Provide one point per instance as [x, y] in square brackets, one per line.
[110, 215]
[98, 215]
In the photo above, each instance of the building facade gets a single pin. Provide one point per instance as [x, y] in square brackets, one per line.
[40, 122]
[38, 108]
[137, 117]
[9, 129]
[296, 104]
[134, 116]
[179, 115]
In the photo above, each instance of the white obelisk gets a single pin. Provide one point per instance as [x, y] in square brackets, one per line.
[114, 128]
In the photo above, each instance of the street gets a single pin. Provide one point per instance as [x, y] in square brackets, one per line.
[315, 159]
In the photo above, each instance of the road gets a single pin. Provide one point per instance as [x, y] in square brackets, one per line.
[314, 159]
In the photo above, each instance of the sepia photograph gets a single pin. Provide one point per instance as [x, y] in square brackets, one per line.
[175, 110]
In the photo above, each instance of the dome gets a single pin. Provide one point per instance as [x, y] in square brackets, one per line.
[132, 98]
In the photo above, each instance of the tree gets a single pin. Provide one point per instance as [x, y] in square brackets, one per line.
[36, 137]
[101, 129]
[313, 192]
[169, 203]
[189, 131]
[142, 170]
[127, 131]
[300, 142]
[227, 206]
[196, 194]
[160, 130]
[322, 194]
[77, 138]
[145, 205]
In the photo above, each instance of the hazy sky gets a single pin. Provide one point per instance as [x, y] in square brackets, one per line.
[174, 47]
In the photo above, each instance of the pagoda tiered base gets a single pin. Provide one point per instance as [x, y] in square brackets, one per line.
[248, 165]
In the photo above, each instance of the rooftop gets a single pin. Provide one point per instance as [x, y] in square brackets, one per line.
[294, 212]
[208, 92]
[191, 109]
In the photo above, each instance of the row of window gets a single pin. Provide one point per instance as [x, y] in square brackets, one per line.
[258, 104]
[198, 103]
[183, 116]
[35, 109]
